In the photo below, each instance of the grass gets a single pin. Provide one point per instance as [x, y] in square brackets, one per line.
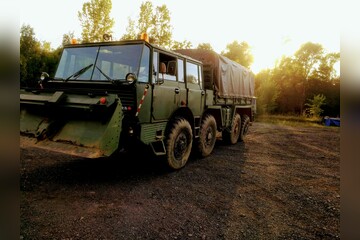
[290, 120]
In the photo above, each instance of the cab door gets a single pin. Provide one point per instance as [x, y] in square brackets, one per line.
[166, 90]
[181, 82]
[196, 94]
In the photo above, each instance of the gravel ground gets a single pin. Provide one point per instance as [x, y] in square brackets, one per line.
[281, 183]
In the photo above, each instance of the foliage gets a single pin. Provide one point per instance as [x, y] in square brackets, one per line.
[288, 77]
[68, 37]
[130, 31]
[146, 18]
[307, 74]
[161, 31]
[205, 46]
[29, 49]
[308, 55]
[326, 71]
[315, 105]
[180, 45]
[35, 57]
[240, 53]
[154, 22]
[95, 20]
[310, 71]
[266, 91]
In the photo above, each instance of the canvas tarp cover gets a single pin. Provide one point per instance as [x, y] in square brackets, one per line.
[234, 80]
[230, 79]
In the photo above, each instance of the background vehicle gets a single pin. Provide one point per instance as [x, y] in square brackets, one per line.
[106, 97]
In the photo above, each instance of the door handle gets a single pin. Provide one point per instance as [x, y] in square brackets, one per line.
[177, 90]
[202, 92]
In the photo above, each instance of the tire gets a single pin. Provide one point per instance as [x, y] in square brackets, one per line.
[207, 136]
[179, 144]
[245, 123]
[232, 137]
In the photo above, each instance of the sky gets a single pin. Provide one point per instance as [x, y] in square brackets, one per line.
[271, 28]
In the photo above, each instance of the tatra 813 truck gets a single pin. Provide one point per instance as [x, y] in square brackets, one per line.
[108, 97]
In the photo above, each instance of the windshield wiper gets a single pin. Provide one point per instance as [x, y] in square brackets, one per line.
[107, 77]
[78, 73]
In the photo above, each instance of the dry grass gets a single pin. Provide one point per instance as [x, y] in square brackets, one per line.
[290, 120]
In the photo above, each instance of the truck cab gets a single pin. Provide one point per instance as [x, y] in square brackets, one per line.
[105, 96]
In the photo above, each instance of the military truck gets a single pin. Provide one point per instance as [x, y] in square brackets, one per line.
[108, 97]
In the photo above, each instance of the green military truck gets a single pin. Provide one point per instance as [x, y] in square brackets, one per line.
[108, 97]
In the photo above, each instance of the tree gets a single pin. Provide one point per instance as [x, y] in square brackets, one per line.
[156, 23]
[298, 76]
[28, 42]
[29, 56]
[326, 71]
[130, 31]
[266, 91]
[161, 31]
[308, 56]
[315, 104]
[46, 46]
[205, 46]
[146, 18]
[180, 45]
[67, 38]
[287, 75]
[240, 53]
[95, 20]
[35, 57]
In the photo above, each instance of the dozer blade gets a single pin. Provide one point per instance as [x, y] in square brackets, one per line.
[67, 148]
[76, 125]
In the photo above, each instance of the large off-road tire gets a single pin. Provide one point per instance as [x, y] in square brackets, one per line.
[178, 144]
[245, 123]
[207, 136]
[232, 136]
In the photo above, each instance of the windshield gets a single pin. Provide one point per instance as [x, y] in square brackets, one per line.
[101, 63]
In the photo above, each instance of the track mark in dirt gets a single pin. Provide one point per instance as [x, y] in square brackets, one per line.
[281, 183]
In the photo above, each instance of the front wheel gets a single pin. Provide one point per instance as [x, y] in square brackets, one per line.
[207, 136]
[178, 144]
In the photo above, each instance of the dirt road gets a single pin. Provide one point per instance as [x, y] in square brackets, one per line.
[282, 183]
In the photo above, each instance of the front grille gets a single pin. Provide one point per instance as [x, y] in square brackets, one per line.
[127, 97]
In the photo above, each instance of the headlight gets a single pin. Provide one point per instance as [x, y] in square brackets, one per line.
[130, 77]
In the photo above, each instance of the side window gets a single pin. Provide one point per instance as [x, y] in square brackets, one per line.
[144, 65]
[200, 76]
[167, 67]
[180, 65]
[192, 73]
[155, 66]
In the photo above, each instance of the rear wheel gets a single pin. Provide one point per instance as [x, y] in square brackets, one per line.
[245, 123]
[179, 143]
[232, 136]
[207, 136]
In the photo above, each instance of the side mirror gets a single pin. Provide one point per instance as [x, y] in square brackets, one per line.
[131, 77]
[44, 76]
